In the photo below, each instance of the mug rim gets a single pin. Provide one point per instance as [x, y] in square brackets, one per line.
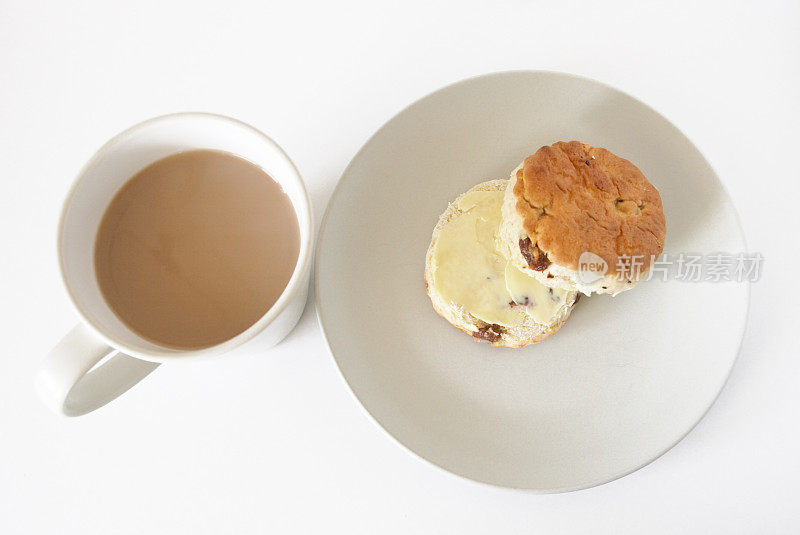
[303, 265]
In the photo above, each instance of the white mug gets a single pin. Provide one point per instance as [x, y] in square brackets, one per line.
[69, 380]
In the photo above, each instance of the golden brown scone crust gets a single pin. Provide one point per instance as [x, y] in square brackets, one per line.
[575, 198]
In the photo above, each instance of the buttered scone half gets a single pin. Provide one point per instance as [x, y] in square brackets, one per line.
[580, 218]
[474, 287]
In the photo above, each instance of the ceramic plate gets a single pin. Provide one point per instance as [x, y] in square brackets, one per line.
[623, 381]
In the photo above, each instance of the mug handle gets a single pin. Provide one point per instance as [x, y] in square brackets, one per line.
[67, 382]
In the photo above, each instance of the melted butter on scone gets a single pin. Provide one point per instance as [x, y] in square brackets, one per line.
[542, 303]
[471, 272]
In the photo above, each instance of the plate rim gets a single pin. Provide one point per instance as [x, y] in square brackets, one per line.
[321, 236]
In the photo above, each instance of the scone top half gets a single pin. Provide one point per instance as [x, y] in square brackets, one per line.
[580, 218]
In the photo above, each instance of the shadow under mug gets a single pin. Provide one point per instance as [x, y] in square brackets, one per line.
[69, 380]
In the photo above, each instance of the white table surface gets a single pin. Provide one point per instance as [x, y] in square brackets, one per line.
[275, 442]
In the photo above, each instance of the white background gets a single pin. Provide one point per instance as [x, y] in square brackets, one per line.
[275, 442]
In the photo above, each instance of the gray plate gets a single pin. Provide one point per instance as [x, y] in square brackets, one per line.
[623, 381]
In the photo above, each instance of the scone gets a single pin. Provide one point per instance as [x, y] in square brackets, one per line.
[579, 218]
[474, 287]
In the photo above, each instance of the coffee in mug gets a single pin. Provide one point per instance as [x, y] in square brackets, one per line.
[195, 248]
